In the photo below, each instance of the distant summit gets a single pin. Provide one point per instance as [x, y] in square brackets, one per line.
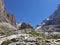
[58, 6]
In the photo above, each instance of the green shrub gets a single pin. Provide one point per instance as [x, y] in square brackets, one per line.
[5, 43]
[14, 40]
[17, 44]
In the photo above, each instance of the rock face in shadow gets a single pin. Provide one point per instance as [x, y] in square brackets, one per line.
[5, 16]
[24, 26]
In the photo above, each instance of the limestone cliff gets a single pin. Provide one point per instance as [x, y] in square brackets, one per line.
[5, 16]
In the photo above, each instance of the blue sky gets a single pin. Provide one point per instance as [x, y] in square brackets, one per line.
[33, 11]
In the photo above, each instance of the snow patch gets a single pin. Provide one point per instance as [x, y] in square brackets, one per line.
[47, 19]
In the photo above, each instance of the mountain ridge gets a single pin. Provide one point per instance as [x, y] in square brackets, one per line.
[52, 23]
